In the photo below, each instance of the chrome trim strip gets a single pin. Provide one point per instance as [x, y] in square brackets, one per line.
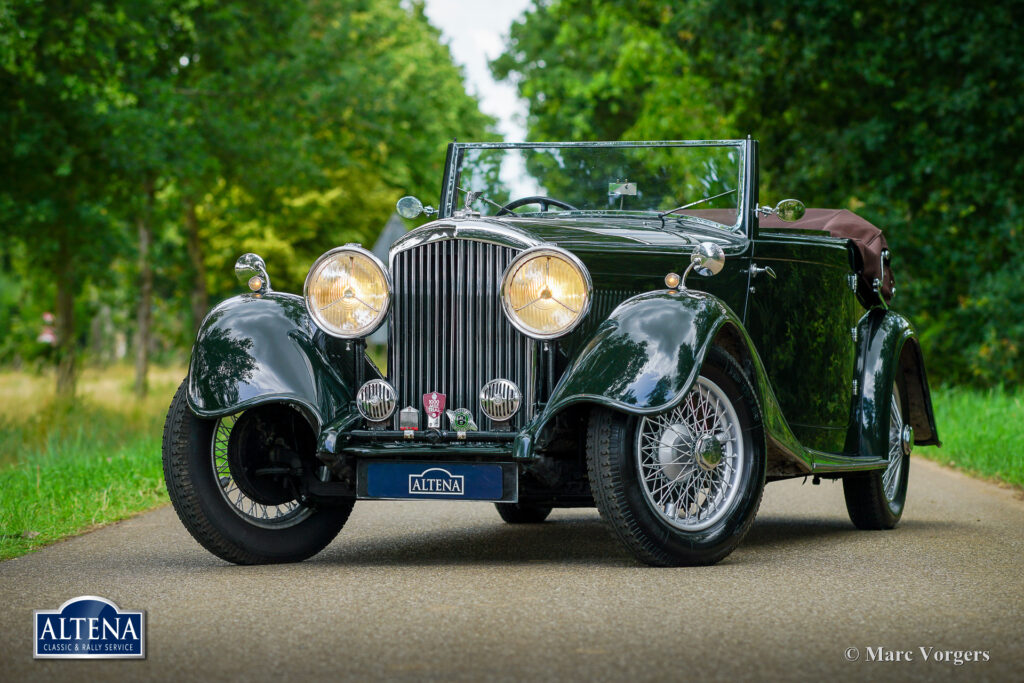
[609, 143]
[491, 232]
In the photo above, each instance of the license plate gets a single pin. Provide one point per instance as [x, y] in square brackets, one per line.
[438, 481]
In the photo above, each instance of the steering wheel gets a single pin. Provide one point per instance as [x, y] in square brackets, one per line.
[544, 202]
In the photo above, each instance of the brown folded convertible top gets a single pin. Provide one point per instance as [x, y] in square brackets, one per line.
[868, 240]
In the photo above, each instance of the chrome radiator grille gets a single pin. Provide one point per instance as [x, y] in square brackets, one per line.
[448, 332]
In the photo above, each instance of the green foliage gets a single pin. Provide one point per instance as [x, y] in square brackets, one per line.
[291, 127]
[907, 113]
[980, 432]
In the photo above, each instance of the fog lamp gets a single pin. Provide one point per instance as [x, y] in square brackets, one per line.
[500, 399]
[376, 400]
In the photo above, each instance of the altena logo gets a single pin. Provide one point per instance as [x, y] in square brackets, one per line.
[89, 627]
[437, 481]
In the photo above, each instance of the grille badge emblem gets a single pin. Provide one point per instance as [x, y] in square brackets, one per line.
[433, 405]
[409, 419]
[462, 420]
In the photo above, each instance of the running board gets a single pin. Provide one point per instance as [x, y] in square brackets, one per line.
[830, 462]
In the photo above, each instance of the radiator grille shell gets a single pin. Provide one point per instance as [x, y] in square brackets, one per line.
[447, 331]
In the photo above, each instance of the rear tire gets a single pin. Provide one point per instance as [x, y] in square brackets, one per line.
[197, 493]
[875, 500]
[519, 513]
[668, 492]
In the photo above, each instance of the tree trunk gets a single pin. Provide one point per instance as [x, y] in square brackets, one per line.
[65, 322]
[144, 222]
[195, 255]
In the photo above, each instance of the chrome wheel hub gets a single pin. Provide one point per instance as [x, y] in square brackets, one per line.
[690, 458]
[708, 452]
[908, 439]
[675, 438]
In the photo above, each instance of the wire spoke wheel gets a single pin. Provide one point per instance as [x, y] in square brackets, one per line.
[891, 475]
[690, 458]
[682, 487]
[270, 516]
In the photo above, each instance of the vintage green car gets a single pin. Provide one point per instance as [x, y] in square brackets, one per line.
[555, 340]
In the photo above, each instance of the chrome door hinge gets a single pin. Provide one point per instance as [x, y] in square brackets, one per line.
[853, 333]
[851, 279]
[854, 387]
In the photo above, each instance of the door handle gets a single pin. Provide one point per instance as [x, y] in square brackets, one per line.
[756, 270]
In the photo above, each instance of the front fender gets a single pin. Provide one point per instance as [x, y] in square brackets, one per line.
[255, 349]
[646, 356]
[889, 345]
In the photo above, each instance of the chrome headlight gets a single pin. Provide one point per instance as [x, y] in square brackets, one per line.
[348, 292]
[545, 292]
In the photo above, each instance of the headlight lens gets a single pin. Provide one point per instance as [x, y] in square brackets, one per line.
[545, 292]
[348, 292]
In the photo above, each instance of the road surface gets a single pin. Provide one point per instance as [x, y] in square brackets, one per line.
[432, 591]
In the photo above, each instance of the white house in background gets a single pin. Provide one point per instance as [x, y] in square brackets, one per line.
[393, 229]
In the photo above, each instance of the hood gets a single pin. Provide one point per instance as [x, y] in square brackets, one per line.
[603, 233]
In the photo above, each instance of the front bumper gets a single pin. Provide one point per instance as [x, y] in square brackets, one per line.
[354, 454]
[341, 440]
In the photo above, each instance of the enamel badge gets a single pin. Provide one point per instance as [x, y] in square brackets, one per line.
[409, 418]
[433, 405]
[462, 420]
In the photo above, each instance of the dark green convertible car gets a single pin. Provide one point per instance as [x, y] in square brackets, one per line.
[619, 325]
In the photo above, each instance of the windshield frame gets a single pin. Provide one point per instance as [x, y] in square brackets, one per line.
[746, 182]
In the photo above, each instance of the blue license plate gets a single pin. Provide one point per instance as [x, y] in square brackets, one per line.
[436, 481]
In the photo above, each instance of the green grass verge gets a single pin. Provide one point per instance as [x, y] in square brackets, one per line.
[72, 486]
[69, 466]
[982, 432]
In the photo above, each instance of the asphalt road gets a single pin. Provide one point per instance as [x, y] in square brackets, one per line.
[414, 591]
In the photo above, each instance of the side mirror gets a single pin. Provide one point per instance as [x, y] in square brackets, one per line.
[410, 207]
[788, 210]
[707, 259]
[251, 272]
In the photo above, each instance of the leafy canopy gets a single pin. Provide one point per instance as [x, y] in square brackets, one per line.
[906, 112]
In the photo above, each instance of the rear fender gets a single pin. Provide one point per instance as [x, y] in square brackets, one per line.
[889, 346]
[256, 349]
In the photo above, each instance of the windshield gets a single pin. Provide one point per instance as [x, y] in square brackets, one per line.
[699, 181]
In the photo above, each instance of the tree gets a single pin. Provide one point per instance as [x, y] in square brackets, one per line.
[314, 141]
[197, 130]
[905, 112]
[61, 72]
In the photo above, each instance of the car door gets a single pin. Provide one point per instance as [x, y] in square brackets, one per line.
[802, 323]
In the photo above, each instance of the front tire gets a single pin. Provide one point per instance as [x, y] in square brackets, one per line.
[206, 486]
[682, 487]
